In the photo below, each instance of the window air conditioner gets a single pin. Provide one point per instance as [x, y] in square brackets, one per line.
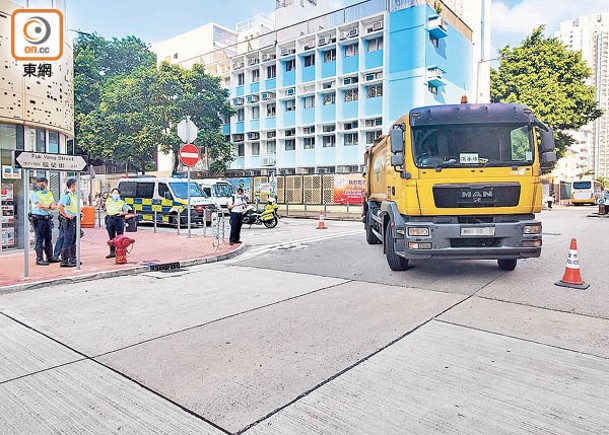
[323, 41]
[290, 91]
[285, 51]
[370, 77]
[377, 25]
[353, 32]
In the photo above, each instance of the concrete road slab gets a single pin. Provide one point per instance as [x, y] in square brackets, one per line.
[238, 370]
[533, 282]
[555, 328]
[87, 398]
[23, 351]
[446, 378]
[350, 257]
[100, 316]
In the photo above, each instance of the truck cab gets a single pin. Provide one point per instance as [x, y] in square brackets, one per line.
[460, 182]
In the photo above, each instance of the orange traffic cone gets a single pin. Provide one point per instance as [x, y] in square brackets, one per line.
[322, 224]
[572, 278]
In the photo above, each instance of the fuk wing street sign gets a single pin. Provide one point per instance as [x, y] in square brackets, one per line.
[49, 162]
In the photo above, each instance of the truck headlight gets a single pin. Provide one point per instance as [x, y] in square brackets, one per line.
[532, 229]
[418, 231]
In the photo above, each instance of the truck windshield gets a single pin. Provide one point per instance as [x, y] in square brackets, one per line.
[472, 145]
[180, 189]
[223, 190]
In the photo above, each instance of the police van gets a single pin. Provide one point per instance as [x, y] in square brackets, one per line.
[219, 190]
[169, 197]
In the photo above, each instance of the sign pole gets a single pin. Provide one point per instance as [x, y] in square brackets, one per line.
[189, 232]
[26, 224]
[78, 221]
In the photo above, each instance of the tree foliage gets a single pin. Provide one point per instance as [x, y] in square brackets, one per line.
[128, 108]
[544, 75]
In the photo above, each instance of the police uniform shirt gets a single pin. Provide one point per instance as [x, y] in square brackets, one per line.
[69, 201]
[41, 197]
[114, 208]
[239, 202]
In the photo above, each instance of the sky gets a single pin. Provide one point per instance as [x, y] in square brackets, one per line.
[153, 20]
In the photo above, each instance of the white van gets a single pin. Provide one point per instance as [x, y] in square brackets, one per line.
[220, 191]
[169, 196]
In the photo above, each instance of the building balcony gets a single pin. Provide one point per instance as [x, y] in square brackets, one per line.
[270, 84]
[437, 27]
[349, 110]
[226, 129]
[254, 87]
[350, 64]
[239, 91]
[308, 116]
[328, 69]
[374, 59]
[289, 78]
[434, 77]
[269, 123]
[308, 74]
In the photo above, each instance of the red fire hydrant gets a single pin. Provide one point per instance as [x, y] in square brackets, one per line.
[121, 243]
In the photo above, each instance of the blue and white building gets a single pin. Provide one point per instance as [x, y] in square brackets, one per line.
[312, 94]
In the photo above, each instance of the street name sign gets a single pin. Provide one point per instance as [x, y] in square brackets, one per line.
[49, 162]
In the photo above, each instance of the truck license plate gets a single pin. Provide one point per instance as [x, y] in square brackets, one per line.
[478, 231]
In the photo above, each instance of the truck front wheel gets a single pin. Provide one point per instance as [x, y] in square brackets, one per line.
[507, 264]
[395, 262]
[371, 238]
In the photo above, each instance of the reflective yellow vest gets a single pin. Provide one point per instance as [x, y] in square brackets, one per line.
[72, 207]
[114, 208]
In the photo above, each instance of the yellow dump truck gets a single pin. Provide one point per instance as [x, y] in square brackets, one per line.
[458, 182]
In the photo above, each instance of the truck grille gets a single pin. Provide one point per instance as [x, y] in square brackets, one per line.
[476, 195]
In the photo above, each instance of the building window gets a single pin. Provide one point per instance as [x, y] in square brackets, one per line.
[290, 132]
[255, 148]
[271, 71]
[350, 139]
[309, 60]
[240, 79]
[372, 135]
[375, 44]
[271, 147]
[329, 99]
[351, 50]
[40, 140]
[328, 141]
[271, 110]
[53, 142]
[330, 55]
[240, 115]
[290, 105]
[256, 75]
[290, 144]
[351, 95]
[308, 102]
[309, 143]
[350, 125]
[374, 91]
[328, 128]
[255, 112]
[308, 130]
[434, 41]
[240, 150]
[432, 89]
[290, 65]
[70, 147]
[374, 122]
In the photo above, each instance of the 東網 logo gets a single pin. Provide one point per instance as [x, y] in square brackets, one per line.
[37, 34]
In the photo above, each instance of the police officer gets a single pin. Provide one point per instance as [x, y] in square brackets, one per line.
[68, 208]
[116, 208]
[236, 205]
[42, 203]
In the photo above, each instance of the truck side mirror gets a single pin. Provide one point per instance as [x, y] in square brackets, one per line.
[396, 136]
[547, 140]
[397, 159]
[548, 157]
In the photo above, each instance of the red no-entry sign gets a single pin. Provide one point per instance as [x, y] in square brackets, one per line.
[189, 155]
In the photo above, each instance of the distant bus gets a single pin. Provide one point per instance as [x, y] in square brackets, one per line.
[586, 192]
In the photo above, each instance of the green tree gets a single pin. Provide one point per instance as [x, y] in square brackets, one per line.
[543, 74]
[127, 107]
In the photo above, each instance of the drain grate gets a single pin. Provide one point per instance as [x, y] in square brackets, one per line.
[166, 267]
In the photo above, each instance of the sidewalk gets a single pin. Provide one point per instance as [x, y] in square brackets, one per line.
[149, 249]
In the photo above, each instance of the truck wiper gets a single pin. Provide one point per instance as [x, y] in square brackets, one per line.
[445, 164]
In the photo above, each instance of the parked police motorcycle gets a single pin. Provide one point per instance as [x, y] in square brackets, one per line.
[269, 217]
